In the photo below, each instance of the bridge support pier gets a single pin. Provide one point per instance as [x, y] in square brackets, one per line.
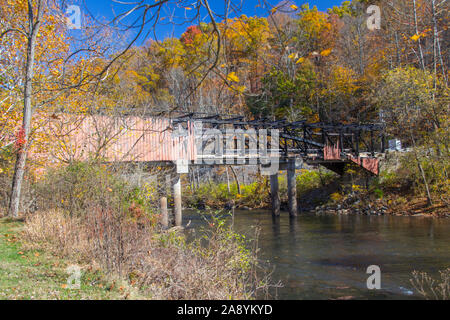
[178, 211]
[161, 187]
[164, 212]
[274, 195]
[292, 188]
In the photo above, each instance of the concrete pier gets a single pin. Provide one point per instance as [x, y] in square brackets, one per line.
[292, 188]
[164, 212]
[161, 187]
[177, 200]
[274, 195]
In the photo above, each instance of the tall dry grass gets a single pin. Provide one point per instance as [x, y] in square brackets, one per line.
[161, 264]
[94, 216]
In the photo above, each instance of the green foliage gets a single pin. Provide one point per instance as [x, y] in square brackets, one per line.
[171, 239]
[407, 98]
[219, 238]
[257, 194]
[285, 95]
[311, 179]
[346, 8]
[254, 195]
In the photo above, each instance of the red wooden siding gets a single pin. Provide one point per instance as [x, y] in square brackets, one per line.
[117, 139]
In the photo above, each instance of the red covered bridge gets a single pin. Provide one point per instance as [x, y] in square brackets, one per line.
[193, 139]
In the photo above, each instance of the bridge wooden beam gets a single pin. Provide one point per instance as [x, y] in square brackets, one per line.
[275, 196]
[292, 188]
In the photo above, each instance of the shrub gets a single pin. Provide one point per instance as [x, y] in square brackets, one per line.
[6, 171]
[97, 217]
[257, 194]
[7, 161]
[336, 197]
[83, 186]
[308, 180]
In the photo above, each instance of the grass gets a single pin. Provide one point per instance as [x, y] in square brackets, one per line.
[37, 275]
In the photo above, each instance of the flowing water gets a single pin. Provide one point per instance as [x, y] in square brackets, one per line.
[327, 257]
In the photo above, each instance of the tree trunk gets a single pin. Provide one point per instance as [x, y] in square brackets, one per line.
[236, 179]
[422, 172]
[228, 182]
[19, 169]
[419, 42]
[437, 43]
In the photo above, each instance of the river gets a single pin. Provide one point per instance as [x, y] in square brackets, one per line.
[327, 257]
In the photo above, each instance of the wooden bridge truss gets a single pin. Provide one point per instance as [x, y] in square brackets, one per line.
[330, 145]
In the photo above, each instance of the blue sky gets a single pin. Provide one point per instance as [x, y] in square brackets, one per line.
[106, 10]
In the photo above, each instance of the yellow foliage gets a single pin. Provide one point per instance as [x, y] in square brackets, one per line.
[238, 89]
[232, 77]
[415, 37]
[326, 53]
[336, 197]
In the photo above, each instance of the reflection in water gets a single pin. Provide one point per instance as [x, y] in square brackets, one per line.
[327, 257]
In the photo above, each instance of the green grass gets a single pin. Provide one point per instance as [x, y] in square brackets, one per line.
[38, 275]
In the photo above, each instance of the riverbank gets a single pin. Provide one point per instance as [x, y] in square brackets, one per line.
[119, 258]
[323, 193]
[32, 274]
[411, 207]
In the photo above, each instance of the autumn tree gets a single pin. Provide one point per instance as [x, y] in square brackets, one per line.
[34, 33]
[405, 97]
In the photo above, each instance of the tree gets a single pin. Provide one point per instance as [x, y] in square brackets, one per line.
[35, 16]
[46, 69]
[406, 100]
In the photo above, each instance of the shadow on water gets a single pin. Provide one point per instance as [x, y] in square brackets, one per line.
[327, 257]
